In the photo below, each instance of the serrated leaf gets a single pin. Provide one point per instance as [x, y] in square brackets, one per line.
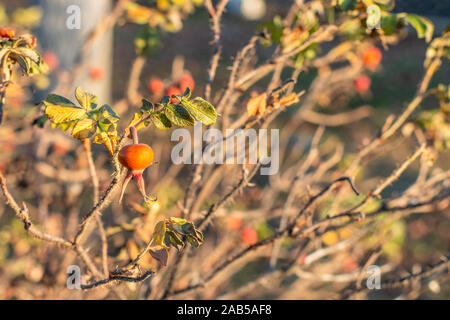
[178, 115]
[84, 129]
[424, 27]
[60, 114]
[87, 100]
[109, 140]
[147, 106]
[161, 121]
[200, 109]
[159, 233]
[137, 118]
[160, 255]
[59, 100]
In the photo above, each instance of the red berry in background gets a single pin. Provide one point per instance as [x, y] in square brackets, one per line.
[60, 149]
[186, 81]
[234, 222]
[372, 57]
[97, 72]
[50, 59]
[301, 259]
[349, 264]
[173, 90]
[362, 84]
[7, 33]
[249, 235]
[155, 85]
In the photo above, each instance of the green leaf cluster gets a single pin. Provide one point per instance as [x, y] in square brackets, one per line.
[18, 50]
[85, 121]
[178, 110]
[175, 232]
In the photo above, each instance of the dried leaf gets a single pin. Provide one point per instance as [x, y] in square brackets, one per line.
[160, 255]
[257, 105]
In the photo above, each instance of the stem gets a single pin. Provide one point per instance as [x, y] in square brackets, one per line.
[134, 134]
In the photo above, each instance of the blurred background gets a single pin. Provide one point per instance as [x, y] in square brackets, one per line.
[31, 157]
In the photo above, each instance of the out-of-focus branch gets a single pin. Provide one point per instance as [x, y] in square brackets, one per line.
[216, 15]
[23, 214]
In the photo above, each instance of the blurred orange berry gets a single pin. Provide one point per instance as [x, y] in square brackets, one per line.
[50, 59]
[7, 33]
[173, 90]
[349, 264]
[155, 85]
[234, 222]
[372, 57]
[249, 235]
[362, 83]
[186, 81]
[97, 72]
[60, 149]
[301, 259]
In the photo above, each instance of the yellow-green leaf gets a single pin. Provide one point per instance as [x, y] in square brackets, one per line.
[84, 129]
[159, 233]
[60, 114]
[85, 99]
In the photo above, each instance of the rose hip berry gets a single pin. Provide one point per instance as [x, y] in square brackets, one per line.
[7, 33]
[186, 81]
[362, 84]
[249, 236]
[135, 157]
[372, 57]
[173, 91]
[156, 86]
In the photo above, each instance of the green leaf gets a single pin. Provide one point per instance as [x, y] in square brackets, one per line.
[424, 27]
[159, 233]
[84, 129]
[147, 106]
[192, 241]
[347, 4]
[160, 121]
[200, 109]
[385, 4]
[61, 113]
[177, 220]
[28, 53]
[87, 100]
[389, 24]
[59, 100]
[178, 115]
[172, 239]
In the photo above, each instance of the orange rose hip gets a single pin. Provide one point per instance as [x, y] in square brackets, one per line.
[135, 157]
